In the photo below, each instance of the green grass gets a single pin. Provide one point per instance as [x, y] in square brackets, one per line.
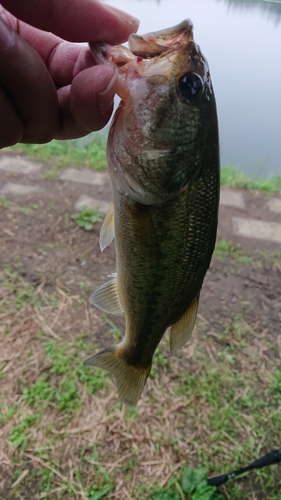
[21, 290]
[18, 437]
[91, 152]
[88, 152]
[86, 218]
[213, 407]
[4, 203]
[62, 390]
[231, 176]
[224, 249]
[257, 258]
[192, 486]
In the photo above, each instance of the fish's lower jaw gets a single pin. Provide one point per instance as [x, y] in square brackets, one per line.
[130, 380]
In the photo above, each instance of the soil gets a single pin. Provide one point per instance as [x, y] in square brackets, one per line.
[47, 247]
[51, 247]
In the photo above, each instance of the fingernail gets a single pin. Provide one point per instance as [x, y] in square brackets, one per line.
[133, 22]
[7, 36]
[128, 18]
[106, 97]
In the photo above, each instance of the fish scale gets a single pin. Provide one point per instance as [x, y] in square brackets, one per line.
[163, 157]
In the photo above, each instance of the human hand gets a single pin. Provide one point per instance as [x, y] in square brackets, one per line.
[51, 88]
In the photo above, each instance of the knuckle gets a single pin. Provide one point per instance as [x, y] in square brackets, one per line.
[11, 136]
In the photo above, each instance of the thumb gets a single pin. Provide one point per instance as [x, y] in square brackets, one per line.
[75, 20]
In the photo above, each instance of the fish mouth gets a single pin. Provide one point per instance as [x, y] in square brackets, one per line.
[163, 41]
[148, 56]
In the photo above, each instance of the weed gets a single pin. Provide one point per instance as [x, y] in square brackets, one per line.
[86, 218]
[114, 330]
[165, 495]
[225, 248]
[58, 390]
[70, 152]
[23, 291]
[245, 259]
[52, 173]
[27, 296]
[38, 392]
[276, 387]
[103, 478]
[18, 437]
[60, 361]
[160, 360]
[5, 417]
[231, 176]
[66, 396]
[193, 486]
[46, 477]
[4, 203]
[29, 210]
[94, 494]
[65, 362]
[93, 379]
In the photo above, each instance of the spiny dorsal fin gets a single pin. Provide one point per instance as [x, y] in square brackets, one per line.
[106, 297]
[107, 229]
[182, 329]
[129, 379]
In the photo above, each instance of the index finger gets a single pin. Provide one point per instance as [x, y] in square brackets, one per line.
[75, 20]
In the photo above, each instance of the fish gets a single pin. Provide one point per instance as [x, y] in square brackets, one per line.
[163, 159]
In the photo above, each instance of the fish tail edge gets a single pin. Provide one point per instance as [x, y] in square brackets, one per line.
[130, 380]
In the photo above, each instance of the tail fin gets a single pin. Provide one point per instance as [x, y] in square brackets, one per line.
[129, 379]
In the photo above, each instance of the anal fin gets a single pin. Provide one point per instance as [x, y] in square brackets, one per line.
[106, 297]
[182, 329]
[107, 229]
[130, 380]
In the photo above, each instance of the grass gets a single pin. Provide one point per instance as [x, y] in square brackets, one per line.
[86, 218]
[204, 412]
[192, 485]
[235, 253]
[232, 177]
[83, 153]
[90, 152]
[211, 408]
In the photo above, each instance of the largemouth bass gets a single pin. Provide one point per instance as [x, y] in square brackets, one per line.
[163, 159]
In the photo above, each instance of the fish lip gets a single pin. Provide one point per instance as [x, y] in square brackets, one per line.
[156, 43]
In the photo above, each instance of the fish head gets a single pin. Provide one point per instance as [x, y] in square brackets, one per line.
[157, 136]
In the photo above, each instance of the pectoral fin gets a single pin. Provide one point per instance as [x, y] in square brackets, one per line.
[106, 297]
[182, 329]
[107, 229]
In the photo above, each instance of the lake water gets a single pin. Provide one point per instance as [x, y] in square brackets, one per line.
[242, 42]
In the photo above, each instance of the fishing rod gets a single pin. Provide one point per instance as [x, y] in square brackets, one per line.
[272, 458]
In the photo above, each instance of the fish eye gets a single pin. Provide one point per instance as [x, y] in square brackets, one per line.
[190, 86]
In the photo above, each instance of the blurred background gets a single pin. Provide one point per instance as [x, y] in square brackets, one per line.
[241, 40]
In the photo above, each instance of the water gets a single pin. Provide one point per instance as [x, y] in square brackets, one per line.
[242, 42]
